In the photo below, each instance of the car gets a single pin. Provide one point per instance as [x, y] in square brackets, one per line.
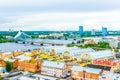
[68, 74]
[64, 76]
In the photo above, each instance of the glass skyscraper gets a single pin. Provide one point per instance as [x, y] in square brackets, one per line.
[104, 31]
[81, 30]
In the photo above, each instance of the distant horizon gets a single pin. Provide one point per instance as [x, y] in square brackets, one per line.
[58, 15]
[52, 30]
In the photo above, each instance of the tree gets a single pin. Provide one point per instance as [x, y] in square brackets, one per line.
[70, 45]
[73, 42]
[0, 77]
[103, 45]
[79, 41]
[116, 49]
[9, 66]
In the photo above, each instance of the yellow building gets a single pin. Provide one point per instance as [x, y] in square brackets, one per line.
[30, 66]
[2, 63]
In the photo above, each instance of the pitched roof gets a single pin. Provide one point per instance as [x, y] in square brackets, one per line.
[99, 67]
[75, 51]
[86, 69]
[45, 77]
[22, 57]
[53, 64]
[101, 54]
[25, 78]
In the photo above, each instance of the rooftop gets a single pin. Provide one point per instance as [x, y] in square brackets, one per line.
[45, 77]
[90, 70]
[110, 75]
[22, 57]
[10, 60]
[25, 78]
[10, 47]
[51, 41]
[99, 67]
[53, 64]
[101, 54]
[75, 51]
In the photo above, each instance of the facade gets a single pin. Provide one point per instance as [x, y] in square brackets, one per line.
[17, 53]
[10, 54]
[13, 61]
[2, 63]
[93, 32]
[73, 52]
[113, 64]
[27, 63]
[101, 58]
[6, 55]
[98, 55]
[81, 30]
[71, 64]
[113, 44]
[104, 31]
[56, 35]
[56, 69]
[88, 41]
[29, 66]
[118, 39]
[109, 76]
[118, 44]
[42, 36]
[83, 73]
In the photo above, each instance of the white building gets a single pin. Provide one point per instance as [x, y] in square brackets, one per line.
[56, 69]
[109, 76]
[56, 34]
[93, 32]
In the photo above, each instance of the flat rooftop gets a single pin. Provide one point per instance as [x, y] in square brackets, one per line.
[50, 41]
[9, 47]
[44, 77]
[107, 68]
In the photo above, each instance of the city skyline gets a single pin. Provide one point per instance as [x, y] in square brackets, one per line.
[59, 15]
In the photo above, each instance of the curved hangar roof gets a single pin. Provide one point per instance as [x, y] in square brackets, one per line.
[101, 54]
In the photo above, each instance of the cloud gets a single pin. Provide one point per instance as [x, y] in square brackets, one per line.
[59, 14]
[64, 21]
[58, 5]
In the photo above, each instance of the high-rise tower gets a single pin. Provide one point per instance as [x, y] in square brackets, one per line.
[104, 31]
[81, 30]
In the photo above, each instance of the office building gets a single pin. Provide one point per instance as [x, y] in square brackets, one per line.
[93, 32]
[81, 30]
[104, 31]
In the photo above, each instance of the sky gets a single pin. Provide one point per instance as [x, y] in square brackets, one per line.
[55, 15]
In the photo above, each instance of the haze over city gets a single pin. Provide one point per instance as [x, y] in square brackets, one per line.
[59, 14]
